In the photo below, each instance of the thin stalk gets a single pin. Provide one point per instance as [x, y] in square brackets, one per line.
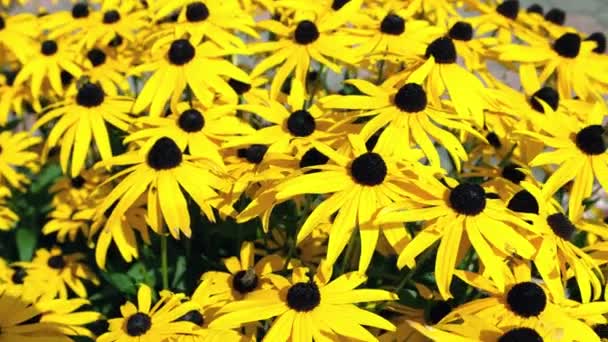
[163, 260]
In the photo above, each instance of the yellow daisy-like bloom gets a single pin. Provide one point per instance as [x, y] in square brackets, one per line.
[46, 63]
[209, 20]
[383, 31]
[437, 11]
[502, 19]
[159, 170]
[245, 276]
[525, 303]
[122, 233]
[83, 119]
[23, 320]
[202, 68]
[406, 117]
[194, 126]
[14, 152]
[471, 47]
[308, 309]
[17, 33]
[451, 210]
[298, 44]
[579, 151]
[310, 251]
[116, 18]
[106, 68]
[69, 24]
[12, 97]
[52, 273]
[147, 322]
[254, 92]
[293, 128]
[568, 58]
[358, 184]
[557, 258]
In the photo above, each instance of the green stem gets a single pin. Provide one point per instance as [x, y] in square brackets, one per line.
[380, 72]
[163, 260]
[316, 85]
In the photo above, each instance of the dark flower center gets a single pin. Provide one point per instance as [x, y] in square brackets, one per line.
[306, 32]
[410, 98]
[461, 31]
[301, 123]
[568, 45]
[56, 262]
[493, 140]
[524, 202]
[66, 78]
[535, 8]
[19, 274]
[197, 11]
[164, 154]
[601, 330]
[111, 16]
[590, 140]
[138, 324]
[80, 10]
[338, 4]
[90, 95]
[561, 225]
[468, 199]
[548, 95]
[512, 173]
[392, 24]
[368, 169]
[193, 316]
[181, 52]
[600, 40]
[556, 16]
[437, 311]
[443, 50]
[253, 154]
[239, 87]
[313, 157]
[116, 41]
[48, 47]
[303, 297]
[526, 299]
[245, 281]
[96, 57]
[508, 9]
[521, 335]
[2, 23]
[77, 182]
[191, 120]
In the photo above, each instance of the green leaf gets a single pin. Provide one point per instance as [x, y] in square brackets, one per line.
[122, 282]
[46, 178]
[26, 239]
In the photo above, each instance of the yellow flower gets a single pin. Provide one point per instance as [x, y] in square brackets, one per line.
[12, 97]
[83, 119]
[17, 33]
[147, 322]
[310, 308]
[450, 210]
[201, 67]
[14, 153]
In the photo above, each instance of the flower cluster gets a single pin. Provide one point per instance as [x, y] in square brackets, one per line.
[449, 157]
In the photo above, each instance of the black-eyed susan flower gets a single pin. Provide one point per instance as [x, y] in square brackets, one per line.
[452, 211]
[579, 151]
[8, 217]
[357, 183]
[243, 277]
[404, 112]
[52, 273]
[501, 18]
[159, 170]
[147, 322]
[210, 20]
[122, 19]
[12, 97]
[17, 32]
[300, 43]
[44, 62]
[82, 120]
[106, 68]
[326, 307]
[67, 316]
[195, 127]
[15, 152]
[525, 303]
[202, 68]
[292, 128]
[70, 23]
